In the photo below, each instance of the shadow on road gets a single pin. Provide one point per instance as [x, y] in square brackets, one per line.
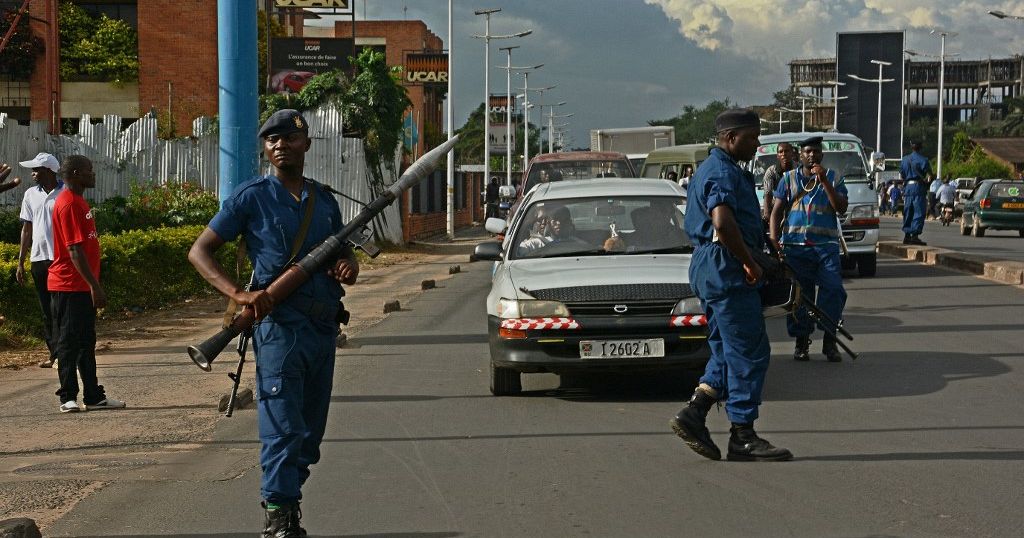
[981, 455]
[417, 340]
[249, 535]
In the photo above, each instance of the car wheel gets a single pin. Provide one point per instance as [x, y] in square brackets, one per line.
[867, 265]
[964, 228]
[1020, 233]
[977, 230]
[505, 381]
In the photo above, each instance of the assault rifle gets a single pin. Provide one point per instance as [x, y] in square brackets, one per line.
[355, 234]
[777, 272]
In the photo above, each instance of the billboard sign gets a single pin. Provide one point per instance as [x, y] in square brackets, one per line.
[858, 113]
[295, 60]
[427, 68]
[500, 138]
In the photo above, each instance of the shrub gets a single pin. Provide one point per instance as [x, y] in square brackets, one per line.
[143, 268]
[151, 205]
[10, 225]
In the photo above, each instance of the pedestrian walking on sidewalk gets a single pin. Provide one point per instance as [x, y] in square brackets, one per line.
[76, 293]
[915, 170]
[283, 216]
[810, 199]
[723, 219]
[37, 236]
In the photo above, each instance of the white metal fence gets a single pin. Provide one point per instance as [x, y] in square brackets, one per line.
[135, 154]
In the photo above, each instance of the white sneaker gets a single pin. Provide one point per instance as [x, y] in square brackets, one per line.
[107, 403]
[70, 407]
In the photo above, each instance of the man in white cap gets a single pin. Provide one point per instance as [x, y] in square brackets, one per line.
[37, 235]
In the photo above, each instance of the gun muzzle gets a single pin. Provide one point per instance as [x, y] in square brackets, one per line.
[204, 353]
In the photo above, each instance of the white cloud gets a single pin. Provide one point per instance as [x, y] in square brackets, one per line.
[779, 30]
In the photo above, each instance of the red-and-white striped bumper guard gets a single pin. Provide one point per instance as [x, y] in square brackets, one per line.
[533, 324]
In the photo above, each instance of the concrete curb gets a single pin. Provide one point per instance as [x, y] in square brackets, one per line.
[1005, 271]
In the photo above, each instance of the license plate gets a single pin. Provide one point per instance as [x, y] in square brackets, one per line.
[1013, 205]
[622, 349]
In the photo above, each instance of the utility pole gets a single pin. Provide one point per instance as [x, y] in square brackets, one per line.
[879, 81]
[450, 173]
[942, 95]
[510, 104]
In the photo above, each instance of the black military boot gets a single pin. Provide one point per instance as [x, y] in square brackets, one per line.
[689, 424]
[282, 522]
[831, 350]
[296, 520]
[745, 445]
[803, 348]
[906, 239]
[916, 240]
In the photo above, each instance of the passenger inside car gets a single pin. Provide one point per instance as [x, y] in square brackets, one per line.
[549, 225]
[656, 226]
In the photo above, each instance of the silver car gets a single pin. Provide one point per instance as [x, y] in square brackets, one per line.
[592, 275]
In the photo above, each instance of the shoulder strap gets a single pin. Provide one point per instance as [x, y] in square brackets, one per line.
[307, 217]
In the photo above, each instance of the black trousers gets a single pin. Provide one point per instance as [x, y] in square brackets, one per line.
[74, 336]
[40, 272]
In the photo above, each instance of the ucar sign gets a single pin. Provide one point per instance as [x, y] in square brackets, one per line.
[426, 68]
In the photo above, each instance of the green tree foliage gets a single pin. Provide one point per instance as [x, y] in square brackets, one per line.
[325, 88]
[150, 205]
[18, 58]
[374, 105]
[977, 164]
[101, 49]
[695, 125]
[960, 148]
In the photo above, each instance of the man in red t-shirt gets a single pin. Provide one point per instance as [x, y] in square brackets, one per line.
[74, 282]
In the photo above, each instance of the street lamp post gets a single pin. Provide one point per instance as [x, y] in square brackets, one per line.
[880, 81]
[508, 98]
[942, 94]
[835, 102]
[526, 116]
[551, 125]
[1000, 15]
[803, 114]
[487, 37]
[450, 172]
[780, 121]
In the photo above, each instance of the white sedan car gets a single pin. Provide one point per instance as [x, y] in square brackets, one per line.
[593, 275]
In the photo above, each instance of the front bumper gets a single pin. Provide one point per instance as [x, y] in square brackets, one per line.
[860, 239]
[557, 350]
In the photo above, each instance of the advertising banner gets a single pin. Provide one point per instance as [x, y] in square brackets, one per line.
[427, 68]
[858, 113]
[294, 61]
[500, 139]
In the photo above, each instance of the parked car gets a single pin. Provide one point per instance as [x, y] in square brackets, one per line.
[964, 186]
[994, 204]
[843, 153]
[592, 275]
[290, 81]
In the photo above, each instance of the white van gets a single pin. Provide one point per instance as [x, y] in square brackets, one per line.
[843, 153]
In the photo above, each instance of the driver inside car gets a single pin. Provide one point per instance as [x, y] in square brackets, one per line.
[549, 226]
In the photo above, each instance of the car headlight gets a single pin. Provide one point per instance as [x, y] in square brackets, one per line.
[690, 305]
[866, 211]
[513, 309]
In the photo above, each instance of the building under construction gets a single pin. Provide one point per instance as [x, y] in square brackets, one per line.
[975, 89]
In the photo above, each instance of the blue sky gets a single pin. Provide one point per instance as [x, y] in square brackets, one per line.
[619, 63]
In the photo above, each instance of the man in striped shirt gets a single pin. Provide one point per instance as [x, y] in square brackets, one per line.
[807, 203]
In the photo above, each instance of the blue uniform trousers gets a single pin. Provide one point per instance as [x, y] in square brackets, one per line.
[736, 332]
[818, 270]
[914, 209]
[294, 376]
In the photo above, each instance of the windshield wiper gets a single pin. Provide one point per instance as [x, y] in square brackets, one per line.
[679, 249]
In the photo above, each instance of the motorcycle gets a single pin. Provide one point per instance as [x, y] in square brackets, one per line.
[946, 216]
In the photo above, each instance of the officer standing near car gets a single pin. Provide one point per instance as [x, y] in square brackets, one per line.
[283, 216]
[915, 170]
[810, 199]
[723, 219]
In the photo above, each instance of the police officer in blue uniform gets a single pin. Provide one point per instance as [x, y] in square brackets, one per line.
[915, 170]
[723, 218]
[295, 342]
[810, 198]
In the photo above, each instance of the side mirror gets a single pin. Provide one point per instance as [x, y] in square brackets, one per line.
[491, 251]
[495, 225]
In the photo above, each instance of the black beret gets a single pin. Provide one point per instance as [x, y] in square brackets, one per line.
[811, 141]
[736, 118]
[283, 122]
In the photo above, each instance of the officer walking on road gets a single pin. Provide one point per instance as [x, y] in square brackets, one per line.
[282, 217]
[724, 221]
[813, 197]
[915, 170]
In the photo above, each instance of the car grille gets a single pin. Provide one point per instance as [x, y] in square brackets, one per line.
[618, 299]
[616, 293]
[622, 308]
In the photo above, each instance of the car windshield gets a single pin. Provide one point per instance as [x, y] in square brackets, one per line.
[582, 169]
[846, 158]
[598, 226]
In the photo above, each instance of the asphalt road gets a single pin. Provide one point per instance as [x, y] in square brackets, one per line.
[1000, 244]
[922, 436]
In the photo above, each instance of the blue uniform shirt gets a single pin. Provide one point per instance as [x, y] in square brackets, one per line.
[812, 220]
[720, 181]
[269, 218]
[915, 166]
